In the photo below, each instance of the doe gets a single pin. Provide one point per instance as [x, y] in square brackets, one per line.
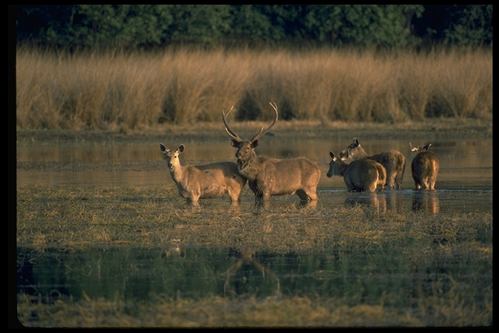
[392, 160]
[360, 175]
[196, 182]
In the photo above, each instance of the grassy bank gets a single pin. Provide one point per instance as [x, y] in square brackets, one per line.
[270, 312]
[117, 91]
[428, 130]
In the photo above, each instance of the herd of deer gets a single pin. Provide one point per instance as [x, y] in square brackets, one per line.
[267, 176]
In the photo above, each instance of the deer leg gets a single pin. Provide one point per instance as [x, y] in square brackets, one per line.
[309, 194]
[266, 196]
[258, 200]
[234, 196]
[391, 182]
[397, 184]
[193, 200]
[432, 182]
[303, 195]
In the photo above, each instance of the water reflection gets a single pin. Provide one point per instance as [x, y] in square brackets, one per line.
[465, 164]
[377, 202]
[276, 203]
[426, 201]
[174, 249]
[245, 259]
[134, 273]
[374, 201]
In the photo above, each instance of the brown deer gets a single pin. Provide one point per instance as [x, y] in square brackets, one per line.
[270, 176]
[360, 175]
[392, 160]
[196, 182]
[424, 167]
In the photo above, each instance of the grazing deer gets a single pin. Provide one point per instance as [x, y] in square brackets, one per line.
[196, 182]
[424, 167]
[270, 176]
[360, 175]
[392, 160]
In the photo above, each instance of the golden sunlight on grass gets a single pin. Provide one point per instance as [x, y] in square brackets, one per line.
[131, 91]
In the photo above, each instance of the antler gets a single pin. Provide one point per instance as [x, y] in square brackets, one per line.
[262, 132]
[231, 133]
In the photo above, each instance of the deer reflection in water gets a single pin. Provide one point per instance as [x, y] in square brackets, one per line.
[174, 249]
[377, 202]
[425, 201]
[245, 257]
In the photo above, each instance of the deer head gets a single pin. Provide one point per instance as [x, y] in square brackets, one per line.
[418, 149]
[172, 155]
[244, 148]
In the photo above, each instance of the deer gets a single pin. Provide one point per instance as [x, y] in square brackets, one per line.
[392, 160]
[424, 166]
[196, 182]
[271, 176]
[360, 175]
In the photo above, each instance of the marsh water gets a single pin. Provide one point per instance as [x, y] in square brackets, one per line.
[132, 272]
[464, 181]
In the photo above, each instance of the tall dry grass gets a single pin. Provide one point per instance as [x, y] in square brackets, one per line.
[111, 90]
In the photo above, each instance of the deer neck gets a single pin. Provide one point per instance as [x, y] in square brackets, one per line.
[249, 167]
[341, 167]
[177, 173]
[360, 153]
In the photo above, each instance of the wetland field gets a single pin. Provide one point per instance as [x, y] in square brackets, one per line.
[103, 239]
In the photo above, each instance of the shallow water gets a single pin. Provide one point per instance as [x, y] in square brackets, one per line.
[464, 181]
[464, 165]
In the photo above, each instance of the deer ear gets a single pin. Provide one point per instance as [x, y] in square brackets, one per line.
[331, 154]
[234, 143]
[162, 148]
[254, 144]
[181, 148]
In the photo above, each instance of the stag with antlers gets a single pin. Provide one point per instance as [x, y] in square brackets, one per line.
[270, 176]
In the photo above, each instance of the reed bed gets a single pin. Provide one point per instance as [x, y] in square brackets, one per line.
[116, 90]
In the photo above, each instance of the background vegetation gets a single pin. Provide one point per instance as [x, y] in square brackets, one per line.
[136, 66]
[150, 26]
[132, 90]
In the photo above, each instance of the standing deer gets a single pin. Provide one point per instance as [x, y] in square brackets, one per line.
[392, 160]
[196, 182]
[360, 175]
[424, 167]
[270, 176]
